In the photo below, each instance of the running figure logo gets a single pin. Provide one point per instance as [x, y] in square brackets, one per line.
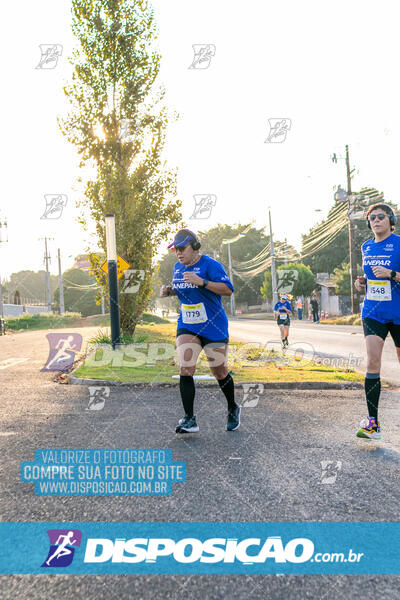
[330, 470]
[278, 129]
[98, 395]
[286, 280]
[125, 128]
[50, 55]
[63, 348]
[55, 203]
[203, 54]
[251, 394]
[133, 279]
[63, 543]
[203, 205]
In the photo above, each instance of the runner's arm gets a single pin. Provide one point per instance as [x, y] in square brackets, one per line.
[218, 288]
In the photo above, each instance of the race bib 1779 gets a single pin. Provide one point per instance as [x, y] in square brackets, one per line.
[194, 313]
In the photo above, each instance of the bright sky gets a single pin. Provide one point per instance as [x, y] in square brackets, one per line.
[329, 68]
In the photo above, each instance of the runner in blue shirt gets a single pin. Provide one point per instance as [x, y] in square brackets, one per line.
[381, 308]
[283, 310]
[199, 282]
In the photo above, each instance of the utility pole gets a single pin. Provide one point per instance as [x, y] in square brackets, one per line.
[285, 261]
[273, 269]
[231, 278]
[355, 297]
[1, 302]
[60, 284]
[102, 306]
[47, 259]
[3, 234]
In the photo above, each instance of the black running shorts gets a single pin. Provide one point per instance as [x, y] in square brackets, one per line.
[283, 321]
[373, 327]
[203, 340]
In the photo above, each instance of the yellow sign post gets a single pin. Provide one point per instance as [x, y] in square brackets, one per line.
[122, 266]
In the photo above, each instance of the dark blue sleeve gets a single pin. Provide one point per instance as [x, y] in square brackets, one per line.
[216, 272]
[289, 306]
[276, 306]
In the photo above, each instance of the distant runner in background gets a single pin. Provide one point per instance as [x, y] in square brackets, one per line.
[314, 308]
[283, 310]
[299, 306]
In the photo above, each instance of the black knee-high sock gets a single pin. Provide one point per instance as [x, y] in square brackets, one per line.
[188, 390]
[372, 386]
[228, 387]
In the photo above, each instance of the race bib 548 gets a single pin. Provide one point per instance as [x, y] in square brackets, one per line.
[378, 289]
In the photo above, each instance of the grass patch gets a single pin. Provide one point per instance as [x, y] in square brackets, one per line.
[347, 320]
[43, 321]
[56, 321]
[141, 360]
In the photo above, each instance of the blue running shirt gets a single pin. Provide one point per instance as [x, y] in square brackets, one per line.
[382, 300]
[201, 310]
[286, 304]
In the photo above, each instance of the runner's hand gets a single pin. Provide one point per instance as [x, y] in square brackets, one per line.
[190, 277]
[381, 271]
[360, 283]
[164, 291]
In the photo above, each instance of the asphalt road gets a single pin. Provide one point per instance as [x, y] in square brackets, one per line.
[339, 344]
[269, 470]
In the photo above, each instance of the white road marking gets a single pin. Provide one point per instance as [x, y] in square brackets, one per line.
[11, 362]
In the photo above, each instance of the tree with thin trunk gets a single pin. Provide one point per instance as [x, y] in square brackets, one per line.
[118, 124]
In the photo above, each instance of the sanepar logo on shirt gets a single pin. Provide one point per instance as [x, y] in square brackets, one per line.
[190, 550]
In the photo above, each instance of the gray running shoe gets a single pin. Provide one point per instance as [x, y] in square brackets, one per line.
[187, 425]
[233, 422]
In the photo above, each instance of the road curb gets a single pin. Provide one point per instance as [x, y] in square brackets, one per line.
[269, 385]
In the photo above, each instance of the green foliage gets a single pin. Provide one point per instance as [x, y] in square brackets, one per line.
[342, 278]
[31, 286]
[113, 85]
[75, 298]
[303, 286]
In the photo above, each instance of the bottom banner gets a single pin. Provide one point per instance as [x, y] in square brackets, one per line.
[204, 548]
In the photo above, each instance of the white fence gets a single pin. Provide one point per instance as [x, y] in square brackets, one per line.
[17, 310]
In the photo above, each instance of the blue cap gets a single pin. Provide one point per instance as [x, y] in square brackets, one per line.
[183, 238]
